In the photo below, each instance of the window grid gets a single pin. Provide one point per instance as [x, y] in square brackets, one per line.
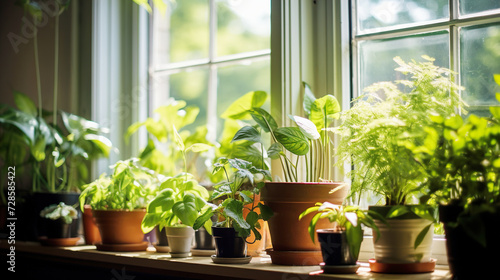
[213, 63]
[453, 24]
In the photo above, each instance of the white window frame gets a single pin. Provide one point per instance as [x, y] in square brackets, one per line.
[213, 62]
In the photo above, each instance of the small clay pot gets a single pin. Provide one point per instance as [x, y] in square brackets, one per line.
[228, 244]
[90, 230]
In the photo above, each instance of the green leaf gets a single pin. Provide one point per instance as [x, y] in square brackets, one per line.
[203, 218]
[397, 211]
[248, 133]
[421, 236]
[163, 201]
[307, 127]
[24, 104]
[239, 109]
[495, 111]
[252, 218]
[157, 129]
[199, 147]
[292, 139]
[354, 235]
[275, 150]
[234, 210]
[454, 122]
[178, 140]
[185, 210]
[264, 119]
[309, 98]
[496, 77]
[324, 111]
[38, 149]
[149, 222]
[308, 211]
[265, 211]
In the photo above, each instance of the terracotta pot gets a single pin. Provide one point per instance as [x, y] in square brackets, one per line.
[288, 201]
[90, 230]
[120, 226]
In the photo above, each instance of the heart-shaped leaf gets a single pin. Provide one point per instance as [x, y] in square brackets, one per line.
[293, 140]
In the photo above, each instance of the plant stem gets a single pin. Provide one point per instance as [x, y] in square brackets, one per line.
[37, 68]
[56, 69]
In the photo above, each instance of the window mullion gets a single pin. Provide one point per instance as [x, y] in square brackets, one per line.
[212, 76]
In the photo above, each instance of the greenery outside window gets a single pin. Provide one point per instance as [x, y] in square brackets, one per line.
[463, 35]
[209, 53]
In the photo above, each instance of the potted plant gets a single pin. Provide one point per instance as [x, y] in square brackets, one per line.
[59, 218]
[233, 230]
[118, 205]
[180, 201]
[376, 136]
[305, 152]
[461, 160]
[341, 244]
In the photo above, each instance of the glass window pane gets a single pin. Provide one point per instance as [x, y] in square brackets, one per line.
[183, 33]
[480, 54]
[236, 80]
[243, 26]
[190, 86]
[374, 15]
[475, 6]
[376, 62]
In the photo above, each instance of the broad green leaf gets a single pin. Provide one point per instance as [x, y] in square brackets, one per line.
[239, 109]
[102, 143]
[264, 119]
[454, 122]
[163, 201]
[275, 150]
[133, 128]
[292, 139]
[496, 77]
[324, 111]
[309, 98]
[24, 104]
[265, 211]
[185, 210]
[307, 127]
[252, 218]
[248, 133]
[157, 129]
[234, 210]
[149, 222]
[495, 111]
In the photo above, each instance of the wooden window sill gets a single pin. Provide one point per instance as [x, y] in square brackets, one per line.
[161, 264]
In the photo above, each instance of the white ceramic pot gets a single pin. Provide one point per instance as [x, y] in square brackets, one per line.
[180, 240]
[397, 239]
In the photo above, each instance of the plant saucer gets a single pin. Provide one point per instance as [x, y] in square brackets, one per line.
[339, 269]
[243, 260]
[161, 249]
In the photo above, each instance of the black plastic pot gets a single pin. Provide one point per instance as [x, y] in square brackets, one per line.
[44, 199]
[467, 258]
[334, 247]
[228, 244]
[57, 229]
[204, 241]
[161, 236]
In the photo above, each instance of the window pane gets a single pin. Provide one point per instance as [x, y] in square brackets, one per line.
[474, 6]
[480, 54]
[190, 86]
[183, 33]
[243, 26]
[378, 14]
[376, 57]
[236, 80]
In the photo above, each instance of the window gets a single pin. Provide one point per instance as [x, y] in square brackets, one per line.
[209, 53]
[463, 35]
